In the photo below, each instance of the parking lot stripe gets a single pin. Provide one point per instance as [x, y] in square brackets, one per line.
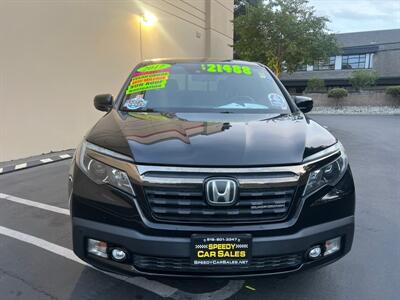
[156, 287]
[46, 160]
[65, 156]
[34, 204]
[20, 166]
[67, 253]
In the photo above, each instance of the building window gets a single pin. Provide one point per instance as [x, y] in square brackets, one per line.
[302, 68]
[353, 61]
[327, 64]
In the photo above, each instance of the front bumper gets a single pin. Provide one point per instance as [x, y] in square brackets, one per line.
[177, 249]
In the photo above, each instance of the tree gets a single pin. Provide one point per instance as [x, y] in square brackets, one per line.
[282, 34]
[240, 6]
[363, 78]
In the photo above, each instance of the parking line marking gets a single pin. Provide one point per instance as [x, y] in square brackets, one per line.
[35, 204]
[65, 156]
[1, 170]
[158, 288]
[163, 290]
[67, 253]
[46, 160]
[20, 166]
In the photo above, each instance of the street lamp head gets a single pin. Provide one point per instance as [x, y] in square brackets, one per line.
[148, 19]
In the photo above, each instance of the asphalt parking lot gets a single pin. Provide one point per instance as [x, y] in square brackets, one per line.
[35, 239]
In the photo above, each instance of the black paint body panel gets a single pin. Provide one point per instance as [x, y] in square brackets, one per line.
[203, 139]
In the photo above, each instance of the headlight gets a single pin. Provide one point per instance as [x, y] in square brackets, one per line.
[329, 174]
[102, 173]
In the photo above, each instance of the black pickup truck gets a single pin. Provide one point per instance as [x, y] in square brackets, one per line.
[209, 169]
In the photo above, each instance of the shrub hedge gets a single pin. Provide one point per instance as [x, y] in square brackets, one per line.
[393, 91]
[337, 93]
[363, 78]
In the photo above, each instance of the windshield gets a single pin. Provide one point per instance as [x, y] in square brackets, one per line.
[212, 87]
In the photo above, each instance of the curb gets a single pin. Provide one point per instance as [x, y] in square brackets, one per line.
[356, 110]
[46, 159]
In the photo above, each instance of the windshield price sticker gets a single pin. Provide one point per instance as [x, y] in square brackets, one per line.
[144, 81]
[224, 68]
[219, 250]
[154, 67]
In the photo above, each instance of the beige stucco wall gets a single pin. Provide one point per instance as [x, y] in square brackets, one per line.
[56, 55]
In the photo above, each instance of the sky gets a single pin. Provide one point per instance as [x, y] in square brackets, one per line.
[359, 15]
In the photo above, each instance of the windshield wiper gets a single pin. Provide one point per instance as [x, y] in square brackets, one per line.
[276, 117]
[140, 110]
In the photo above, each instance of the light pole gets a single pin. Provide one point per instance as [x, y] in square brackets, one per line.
[140, 39]
[148, 20]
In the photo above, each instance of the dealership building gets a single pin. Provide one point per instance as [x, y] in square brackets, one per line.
[369, 50]
[57, 55]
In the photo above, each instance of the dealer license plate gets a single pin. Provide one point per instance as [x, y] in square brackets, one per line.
[221, 250]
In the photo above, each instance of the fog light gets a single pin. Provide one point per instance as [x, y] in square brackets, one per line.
[98, 248]
[314, 252]
[118, 254]
[332, 246]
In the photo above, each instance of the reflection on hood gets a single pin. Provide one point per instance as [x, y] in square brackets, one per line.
[244, 105]
[165, 126]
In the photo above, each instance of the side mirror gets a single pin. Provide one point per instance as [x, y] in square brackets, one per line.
[305, 104]
[103, 102]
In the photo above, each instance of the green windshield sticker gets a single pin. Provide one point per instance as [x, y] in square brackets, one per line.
[145, 81]
[224, 68]
[154, 67]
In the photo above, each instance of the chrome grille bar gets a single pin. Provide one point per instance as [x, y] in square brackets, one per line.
[247, 177]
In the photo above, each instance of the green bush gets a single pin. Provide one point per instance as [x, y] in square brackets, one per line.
[337, 93]
[393, 91]
[363, 78]
[315, 84]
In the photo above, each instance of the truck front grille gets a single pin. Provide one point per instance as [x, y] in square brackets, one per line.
[189, 205]
[178, 194]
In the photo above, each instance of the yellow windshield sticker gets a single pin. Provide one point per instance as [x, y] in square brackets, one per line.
[151, 80]
[225, 68]
[154, 67]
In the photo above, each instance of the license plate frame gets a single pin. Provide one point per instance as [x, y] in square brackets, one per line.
[231, 256]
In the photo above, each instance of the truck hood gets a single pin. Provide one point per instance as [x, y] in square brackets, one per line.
[204, 139]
